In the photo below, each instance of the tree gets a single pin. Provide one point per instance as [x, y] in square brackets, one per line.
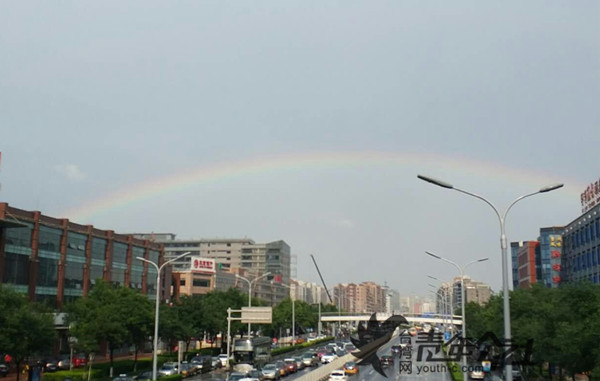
[139, 321]
[99, 318]
[25, 330]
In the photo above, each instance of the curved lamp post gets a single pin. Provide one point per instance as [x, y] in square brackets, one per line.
[250, 283]
[504, 249]
[157, 303]
[461, 270]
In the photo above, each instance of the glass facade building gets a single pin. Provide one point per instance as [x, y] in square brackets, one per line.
[581, 248]
[54, 261]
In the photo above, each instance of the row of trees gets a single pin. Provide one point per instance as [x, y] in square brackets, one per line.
[121, 316]
[564, 324]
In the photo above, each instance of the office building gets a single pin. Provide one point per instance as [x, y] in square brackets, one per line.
[55, 261]
[581, 248]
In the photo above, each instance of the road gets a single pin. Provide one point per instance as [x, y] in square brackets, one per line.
[417, 370]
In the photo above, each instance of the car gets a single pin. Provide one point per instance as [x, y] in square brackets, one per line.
[328, 357]
[253, 375]
[168, 369]
[223, 359]
[187, 369]
[123, 377]
[337, 375]
[50, 365]
[270, 372]
[350, 367]
[386, 361]
[299, 362]
[291, 365]
[80, 360]
[310, 359]
[349, 347]
[477, 374]
[204, 364]
[3, 370]
[216, 362]
[64, 362]
[282, 368]
[144, 376]
[236, 376]
[405, 341]
[396, 349]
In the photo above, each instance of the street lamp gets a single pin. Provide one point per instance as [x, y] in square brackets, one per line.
[504, 249]
[462, 299]
[444, 296]
[250, 283]
[293, 313]
[158, 270]
[441, 297]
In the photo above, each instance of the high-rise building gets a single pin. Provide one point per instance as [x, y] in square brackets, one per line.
[538, 261]
[581, 244]
[366, 297]
[550, 255]
[272, 257]
[528, 260]
[477, 292]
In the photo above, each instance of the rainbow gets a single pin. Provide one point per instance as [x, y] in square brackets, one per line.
[313, 160]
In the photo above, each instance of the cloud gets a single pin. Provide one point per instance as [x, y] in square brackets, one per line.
[70, 171]
[345, 223]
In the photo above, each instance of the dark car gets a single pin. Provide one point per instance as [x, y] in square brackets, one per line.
[50, 365]
[3, 370]
[204, 364]
[396, 349]
[145, 376]
[386, 361]
[123, 377]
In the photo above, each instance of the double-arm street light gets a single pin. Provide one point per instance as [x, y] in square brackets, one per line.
[445, 297]
[250, 283]
[157, 303]
[461, 270]
[504, 249]
[441, 297]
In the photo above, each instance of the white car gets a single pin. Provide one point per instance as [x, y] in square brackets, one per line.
[477, 374]
[223, 359]
[328, 357]
[337, 375]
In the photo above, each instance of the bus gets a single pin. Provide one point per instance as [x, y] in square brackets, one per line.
[254, 351]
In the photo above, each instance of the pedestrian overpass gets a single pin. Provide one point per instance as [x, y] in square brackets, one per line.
[433, 319]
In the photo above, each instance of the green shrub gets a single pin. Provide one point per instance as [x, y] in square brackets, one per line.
[74, 375]
[279, 351]
[175, 377]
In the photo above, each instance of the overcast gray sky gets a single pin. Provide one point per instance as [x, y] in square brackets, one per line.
[306, 121]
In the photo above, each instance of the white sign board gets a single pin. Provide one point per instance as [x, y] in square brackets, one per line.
[202, 265]
[257, 315]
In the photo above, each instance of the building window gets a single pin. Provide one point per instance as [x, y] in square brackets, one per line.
[119, 254]
[98, 248]
[18, 236]
[201, 283]
[182, 282]
[48, 272]
[16, 269]
[49, 239]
